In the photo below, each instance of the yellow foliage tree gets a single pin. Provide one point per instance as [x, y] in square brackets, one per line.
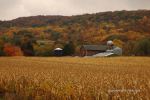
[118, 43]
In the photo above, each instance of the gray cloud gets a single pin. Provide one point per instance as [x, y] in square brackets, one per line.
[10, 9]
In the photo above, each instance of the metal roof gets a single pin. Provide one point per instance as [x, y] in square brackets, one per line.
[58, 49]
[105, 54]
[95, 47]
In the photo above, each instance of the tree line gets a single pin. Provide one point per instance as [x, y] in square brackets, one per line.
[24, 43]
[128, 29]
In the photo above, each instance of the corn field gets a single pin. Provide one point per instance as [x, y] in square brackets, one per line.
[117, 78]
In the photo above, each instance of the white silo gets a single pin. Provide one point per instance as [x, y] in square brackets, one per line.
[110, 44]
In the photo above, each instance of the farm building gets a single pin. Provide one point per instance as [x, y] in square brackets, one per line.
[89, 50]
[58, 52]
[101, 50]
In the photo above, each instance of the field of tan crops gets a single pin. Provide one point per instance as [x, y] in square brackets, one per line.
[123, 78]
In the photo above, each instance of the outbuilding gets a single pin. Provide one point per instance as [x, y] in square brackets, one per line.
[89, 50]
[101, 50]
[58, 52]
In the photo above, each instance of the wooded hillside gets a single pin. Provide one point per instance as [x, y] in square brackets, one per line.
[128, 29]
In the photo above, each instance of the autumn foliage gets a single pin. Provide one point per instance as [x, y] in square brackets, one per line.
[11, 50]
[122, 27]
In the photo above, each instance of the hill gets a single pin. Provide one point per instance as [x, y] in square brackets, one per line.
[121, 26]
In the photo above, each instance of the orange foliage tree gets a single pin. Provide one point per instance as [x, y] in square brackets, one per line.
[11, 50]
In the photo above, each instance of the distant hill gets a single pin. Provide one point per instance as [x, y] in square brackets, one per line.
[119, 21]
[82, 29]
[113, 17]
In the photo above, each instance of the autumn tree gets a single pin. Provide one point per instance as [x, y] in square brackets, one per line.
[11, 50]
[25, 40]
[118, 43]
[129, 48]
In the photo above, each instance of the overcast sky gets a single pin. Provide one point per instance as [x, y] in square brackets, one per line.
[10, 9]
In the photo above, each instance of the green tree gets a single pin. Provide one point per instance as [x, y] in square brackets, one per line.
[43, 50]
[69, 49]
[143, 47]
[26, 42]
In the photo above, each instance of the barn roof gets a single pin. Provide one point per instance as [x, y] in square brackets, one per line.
[58, 49]
[95, 47]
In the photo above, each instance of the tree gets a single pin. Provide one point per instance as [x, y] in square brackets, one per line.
[118, 43]
[1, 47]
[11, 50]
[43, 50]
[27, 40]
[69, 49]
[143, 47]
[1, 51]
[129, 48]
[28, 49]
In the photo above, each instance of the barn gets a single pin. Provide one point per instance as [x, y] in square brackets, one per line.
[89, 50]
